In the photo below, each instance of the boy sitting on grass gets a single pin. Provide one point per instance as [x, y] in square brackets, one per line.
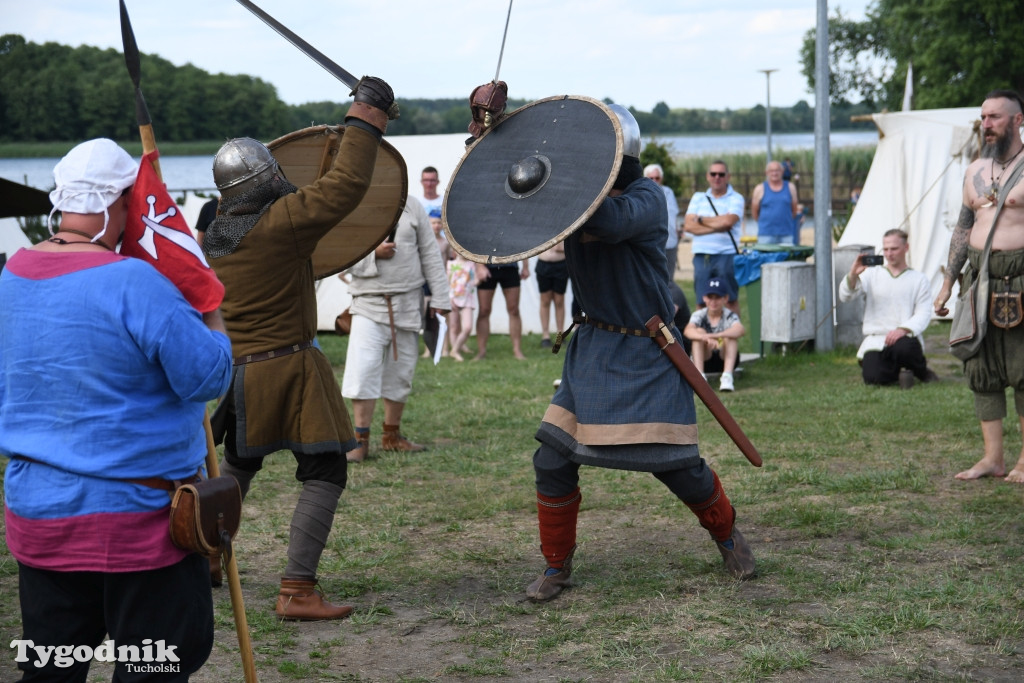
[714, 332]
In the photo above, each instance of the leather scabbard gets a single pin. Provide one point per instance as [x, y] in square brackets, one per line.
[666, 341]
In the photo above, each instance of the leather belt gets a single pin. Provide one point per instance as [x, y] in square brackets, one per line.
[391, 324]
[276, 353]
[614, 328]
[149, 482]
[587, 320]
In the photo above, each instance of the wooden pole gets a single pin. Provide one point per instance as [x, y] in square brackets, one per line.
[133, 62]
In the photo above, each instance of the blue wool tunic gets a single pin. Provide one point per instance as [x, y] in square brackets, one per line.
[621, 403]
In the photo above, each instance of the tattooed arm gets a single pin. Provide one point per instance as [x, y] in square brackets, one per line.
[957, 257]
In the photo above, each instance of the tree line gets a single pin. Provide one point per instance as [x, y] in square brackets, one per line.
[958, 51]
[52, 92]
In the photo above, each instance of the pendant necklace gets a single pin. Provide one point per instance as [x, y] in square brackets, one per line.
[993, 192]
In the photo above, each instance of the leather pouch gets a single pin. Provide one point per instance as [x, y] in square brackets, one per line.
[205, 516]
[1005, 310]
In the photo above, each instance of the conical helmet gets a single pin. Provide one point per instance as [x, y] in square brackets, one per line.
[630, 130]
[242, 164]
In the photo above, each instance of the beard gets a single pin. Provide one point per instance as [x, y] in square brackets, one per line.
[999, 148]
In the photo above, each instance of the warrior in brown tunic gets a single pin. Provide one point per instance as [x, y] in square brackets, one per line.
[283, 394]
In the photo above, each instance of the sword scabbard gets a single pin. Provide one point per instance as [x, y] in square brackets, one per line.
[688, 370]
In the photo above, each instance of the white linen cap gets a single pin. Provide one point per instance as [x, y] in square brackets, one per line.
[91, 177]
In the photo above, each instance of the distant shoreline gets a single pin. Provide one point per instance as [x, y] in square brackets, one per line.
[57, 149]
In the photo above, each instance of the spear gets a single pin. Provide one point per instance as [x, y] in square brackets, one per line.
[132, 61]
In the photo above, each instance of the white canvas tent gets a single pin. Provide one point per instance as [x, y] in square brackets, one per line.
[916, 183]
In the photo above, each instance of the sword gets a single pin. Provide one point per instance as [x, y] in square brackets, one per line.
[503, 36]
[678, 356]
[310, 51]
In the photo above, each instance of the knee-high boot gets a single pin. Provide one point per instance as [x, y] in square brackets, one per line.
[556, 518]
[299, 597]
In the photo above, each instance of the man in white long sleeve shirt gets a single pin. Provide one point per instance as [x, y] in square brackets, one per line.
[896, 312]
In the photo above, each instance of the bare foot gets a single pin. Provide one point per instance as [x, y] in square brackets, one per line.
[519, 355]
[480, 356]
[1015, 476]
[457, 356]
[981, 469]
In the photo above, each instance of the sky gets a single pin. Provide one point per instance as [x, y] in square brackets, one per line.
[686, 53]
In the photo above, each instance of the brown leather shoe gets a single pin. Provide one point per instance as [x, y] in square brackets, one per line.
[392, 440]
[552, 582]
[359, 453]
[302, 600]
[739, 560]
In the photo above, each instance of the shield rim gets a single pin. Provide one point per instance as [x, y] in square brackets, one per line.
[576, 224]
[385, 146]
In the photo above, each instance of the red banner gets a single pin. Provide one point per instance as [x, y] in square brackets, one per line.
[157, 232]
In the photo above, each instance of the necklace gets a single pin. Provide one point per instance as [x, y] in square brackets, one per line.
[61, 241]
[993, 191]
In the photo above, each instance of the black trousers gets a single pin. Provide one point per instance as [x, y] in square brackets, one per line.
[883, 367]
[173, 604]
[557, 476]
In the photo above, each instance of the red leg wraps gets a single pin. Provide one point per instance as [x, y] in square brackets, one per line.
[716, 513]
[557, 520]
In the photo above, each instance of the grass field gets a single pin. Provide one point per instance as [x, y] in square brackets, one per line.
[874, 564]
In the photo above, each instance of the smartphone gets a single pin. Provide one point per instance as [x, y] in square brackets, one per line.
[872, 259]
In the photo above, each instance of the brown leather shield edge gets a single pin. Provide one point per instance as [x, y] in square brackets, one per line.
[307, 154]
[573, 144]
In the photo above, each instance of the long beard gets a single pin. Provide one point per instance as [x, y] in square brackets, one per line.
[998, 149]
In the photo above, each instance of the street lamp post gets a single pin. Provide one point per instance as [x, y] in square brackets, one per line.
[768, 108]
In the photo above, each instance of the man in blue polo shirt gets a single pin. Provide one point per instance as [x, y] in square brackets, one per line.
[713, 218]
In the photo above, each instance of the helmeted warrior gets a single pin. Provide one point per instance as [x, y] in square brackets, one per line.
[283, 393]
[621, 404]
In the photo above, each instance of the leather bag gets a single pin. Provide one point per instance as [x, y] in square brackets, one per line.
[343, 323]
[968, 328]
[205, 516]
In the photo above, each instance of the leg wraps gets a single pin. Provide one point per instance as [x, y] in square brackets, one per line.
[557, 520]
[716, 514]
[311, 524]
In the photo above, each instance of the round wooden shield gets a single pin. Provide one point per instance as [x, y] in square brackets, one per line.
[532, 180]
[307, 154]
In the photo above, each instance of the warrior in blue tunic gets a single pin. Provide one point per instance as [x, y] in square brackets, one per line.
[621, 403]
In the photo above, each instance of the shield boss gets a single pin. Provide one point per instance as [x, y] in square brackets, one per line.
[532, 180]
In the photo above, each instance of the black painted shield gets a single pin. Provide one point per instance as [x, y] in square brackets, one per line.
[533, 179]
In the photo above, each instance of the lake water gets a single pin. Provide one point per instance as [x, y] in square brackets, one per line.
[444, 152]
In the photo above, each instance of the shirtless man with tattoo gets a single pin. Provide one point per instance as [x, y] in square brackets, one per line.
[1000, 362]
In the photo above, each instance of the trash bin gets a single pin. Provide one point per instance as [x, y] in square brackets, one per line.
[748, 276]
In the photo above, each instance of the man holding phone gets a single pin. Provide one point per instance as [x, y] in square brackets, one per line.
[897, 310]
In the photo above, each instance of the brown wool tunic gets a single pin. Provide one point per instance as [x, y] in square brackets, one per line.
[292, 402]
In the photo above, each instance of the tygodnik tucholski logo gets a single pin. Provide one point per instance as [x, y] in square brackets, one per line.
[150, 657]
